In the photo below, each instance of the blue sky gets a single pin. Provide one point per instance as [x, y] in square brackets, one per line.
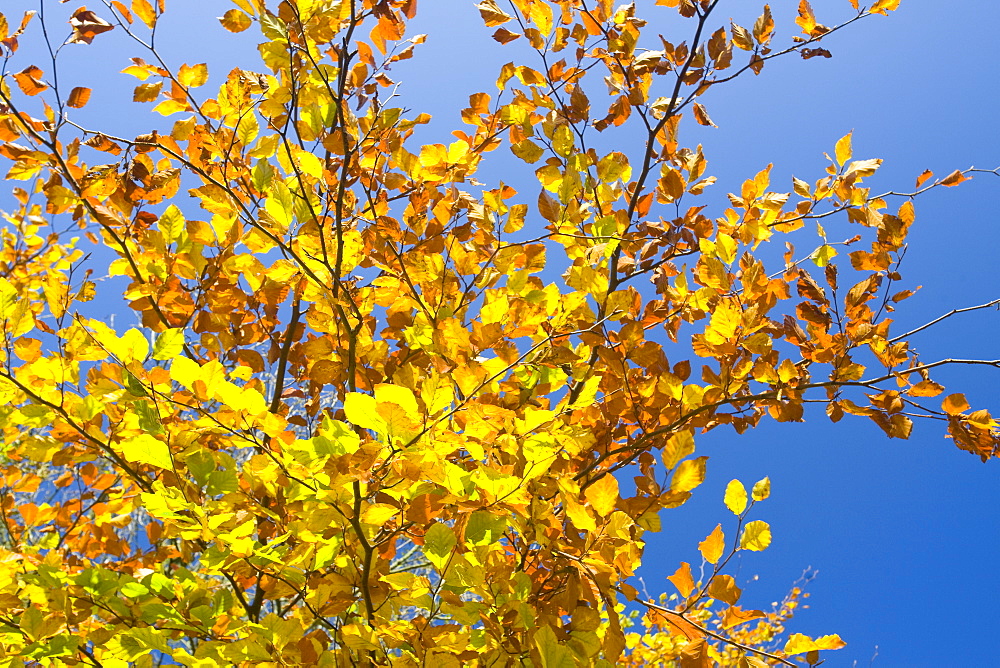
[903, 533]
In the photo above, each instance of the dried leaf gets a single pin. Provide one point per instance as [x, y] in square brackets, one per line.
[86, 25]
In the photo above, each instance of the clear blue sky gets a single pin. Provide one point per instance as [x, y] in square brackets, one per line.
[903, 533]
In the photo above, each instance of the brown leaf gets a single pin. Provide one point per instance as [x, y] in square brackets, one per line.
[492, 14]
[701, 116]
[504, 36]
[86, 25]
[954, 178]
[549, 207]
[812, 53]
[806, 19]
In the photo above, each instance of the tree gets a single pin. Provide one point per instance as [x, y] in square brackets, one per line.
[375, 411]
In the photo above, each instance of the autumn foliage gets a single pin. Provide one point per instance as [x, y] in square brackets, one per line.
[376, 406]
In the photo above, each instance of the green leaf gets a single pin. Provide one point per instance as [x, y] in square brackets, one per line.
[552, 653]
[823, 255]
[438, 544]
[484, 527]
[149, 421]
[133, 590]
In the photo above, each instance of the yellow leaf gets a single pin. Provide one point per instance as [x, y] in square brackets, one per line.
[378, 514]
[761, 489]
[800, 644]
[309, 163]
[193, 76]
[145, 12]
[884, 6]
[603, 494]
[726, 319]
[843, 149]
[756, 536]
[361, 410]
[578, 514]
[688, 475]
[400, 396]
[541, 15]
[679, 446]
[184, 371]
[713, 546]
[147, 449]
[168, 344]
[736, 497]
[171, 106]
[824, 254]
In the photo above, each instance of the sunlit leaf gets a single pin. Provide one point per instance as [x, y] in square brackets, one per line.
[147, 449]
[736, 497]
[689, 474]
[235, 21]
[756, 536]
[86, 26]
[712, 547]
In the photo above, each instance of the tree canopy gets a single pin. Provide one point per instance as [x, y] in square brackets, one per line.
[392, 403]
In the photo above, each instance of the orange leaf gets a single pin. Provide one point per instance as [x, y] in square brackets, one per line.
[723, 588]
[954, 178]
[29, 82]
[954, 404]
[713, 546]
[806, 19]
[78, 97]
[235, 21]
[682, 579]
[926, 388]
[734, 616]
